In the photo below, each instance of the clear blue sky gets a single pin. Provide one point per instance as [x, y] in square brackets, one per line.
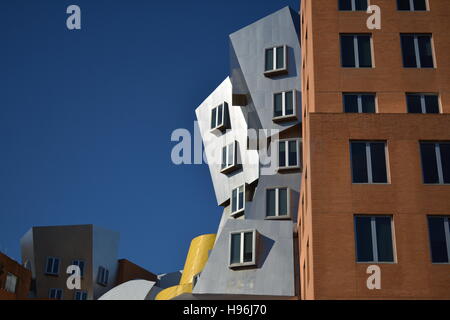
[86, 118]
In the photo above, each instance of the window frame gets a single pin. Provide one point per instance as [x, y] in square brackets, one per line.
[417, 50]
[439, 165]
[369, 162]
[11, 282]
[356, 50]
[56, 291]
[102, 277]
[76, 263]
[353, 5]
[285, 116]
[239, 211]
[374, 239]
[81, 293]
[224, 124]
[234, 165]
[447, 237]
[277, 215]
[412, 9]
[359, 99]
[422, 101]
[241, 262]
[53, 259]
[286, 154]
[276, 71]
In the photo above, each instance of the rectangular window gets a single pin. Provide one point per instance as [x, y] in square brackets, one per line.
[353, 5]
[356, 50]
[80, 295]
[52, 266]
[238, 200]
[277, 203]
[288, 154]
[359, 102]
[373, 236]
[412, 5]
[417, 50]
[219, 117]
[439, 232]
[79, 263]
[435, 162]
[422, 103]
[368, 162]
[284, 104]
[229, 157]
[276, 59]
[11, 283]
[102, 276]
[242, 248]
[55, 294]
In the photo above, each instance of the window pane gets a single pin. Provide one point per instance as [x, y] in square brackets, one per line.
[234, 200]
[241, 198]
[224, 157]
[235, 248]
[270, 202]
[426, 53]
[282, 202]
[293, 153]
[345, 5]
[278, 105]
[368, 103]
[49, 267]
[281, 154]
[429, 166]
[230, 154]
[364, 50]
[420, 5]
[377, 152]
[437, 240]
[289, 100]
[280, 58]
[269, 59]
[347, 51]
[361, 5]
[359, 162]
[409, 56]
[351, 103]
[81, 265]
[384, 239]
[55, 266]
[220, 115]
[445, 159]
[431, 103]
[403, 5]
[248, 246]
[414, 104]
[364, 246]
[213, 118]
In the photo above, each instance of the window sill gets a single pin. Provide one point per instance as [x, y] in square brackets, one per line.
[285, 118]
[242, 265]
[230, 169]
[288, 217]
[275, 72]
[237, 213]
[375, 262]
[221, 128]
[52, 274]
[291, 168]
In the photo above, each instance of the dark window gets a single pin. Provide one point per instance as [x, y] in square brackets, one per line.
[269, 59]
[417, 51]
[242, 248]
[219, 117]
[278, 105]
[52, 266]
[368, 162]
[439, 232]
[353, 5]
[277, 202]
[248, 246]
[435, 162]
[373, 235]
[275, 59]
[422, 103]
[283, 104]
[79, 263]
[359, 103]
[55, 294]
[356, 51]
[412, 5]
[80, 295]
[235, 248]
[102, 276]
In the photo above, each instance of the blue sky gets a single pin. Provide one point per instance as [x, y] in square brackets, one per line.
[86, 118]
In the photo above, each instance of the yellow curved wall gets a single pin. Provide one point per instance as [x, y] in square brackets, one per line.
[195, 262]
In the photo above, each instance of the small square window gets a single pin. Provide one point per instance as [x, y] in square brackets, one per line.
[102, 276]
[353, 5]
[55, 294]
[422, 103]
[80, 295]
[359, 102]
[278, 203]
[435, 162]
[368, 161]
[284, 105]
[356, 50]
[412, 5]
[52, 266]
[275, 61]
[229, 158]
[288, 154]
[220, 117]
[439, 233]
[243, 248]
[417, 50]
